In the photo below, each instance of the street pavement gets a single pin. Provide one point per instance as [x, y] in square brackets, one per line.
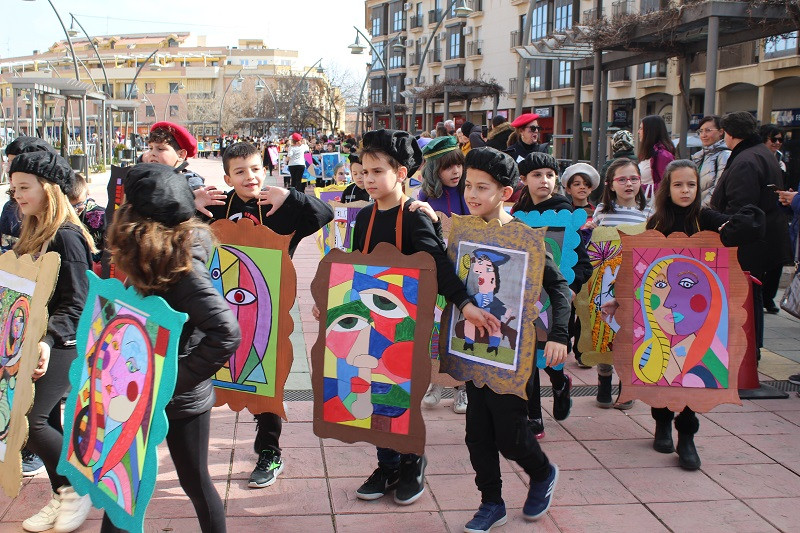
[611, 478]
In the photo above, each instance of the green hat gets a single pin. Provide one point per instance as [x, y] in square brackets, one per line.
[439, 146]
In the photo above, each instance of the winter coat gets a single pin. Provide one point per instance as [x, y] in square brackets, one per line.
[519, 150]
[209, 337]
[711, 163]
[498, 137]
[751, 167]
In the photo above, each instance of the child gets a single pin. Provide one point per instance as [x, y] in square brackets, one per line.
[41, 182]
[172, 145]
[678, 208]
[623, 203]
[161, 247]
[91, 215]
[498, 422]
[579, 180]
[539, 172]
[339, 174]
[388, 156]
[355, 192]
[283, 211]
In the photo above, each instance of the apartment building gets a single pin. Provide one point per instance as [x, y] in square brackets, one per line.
[762, 76]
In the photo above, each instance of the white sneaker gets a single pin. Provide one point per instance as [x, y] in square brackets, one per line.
[460, 400]
[433, 396]
[46, 518]
[73, 511]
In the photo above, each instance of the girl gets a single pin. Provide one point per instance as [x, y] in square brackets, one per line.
[623, 203]
[579, 180]
[678, 207]
[297, 162]
[41, 182]
[339, 174]
[164, 250]
[355, 192]
[655, 152]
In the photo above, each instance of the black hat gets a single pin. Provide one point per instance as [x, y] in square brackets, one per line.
[46, 165]
[22, 145]
[159, 192]
[499, 165]
[466, 128]
[398, 144]
[536, 160]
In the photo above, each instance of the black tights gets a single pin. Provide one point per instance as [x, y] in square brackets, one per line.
[187, 440]
[557, 380]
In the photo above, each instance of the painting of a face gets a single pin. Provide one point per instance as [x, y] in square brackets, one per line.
[13, 320]
[689, 296]
[485, 275]
[369, 339]
[124, 353]
[661, 313]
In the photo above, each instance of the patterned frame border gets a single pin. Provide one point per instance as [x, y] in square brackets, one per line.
[571, 221]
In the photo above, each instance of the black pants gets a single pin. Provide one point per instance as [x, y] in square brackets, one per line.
[533, 388]
[758, 317]
[268, 433]
[771, 280]
[499, 423]
[45, 433]
[574, 329]
[686, 422]
[187, 440]
[296, 171]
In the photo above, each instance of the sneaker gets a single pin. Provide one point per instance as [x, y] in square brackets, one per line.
[268, 466]
[46, 518]
[31, 464]
[579, 360]
[540, 496]
[433, 396]
[562, 403]
[489, 514]
[771, 308]
[379, 483]
[795, 378]
[624, 406]
[460, 400]
[537, 426]
[412, 481]
[73, 512]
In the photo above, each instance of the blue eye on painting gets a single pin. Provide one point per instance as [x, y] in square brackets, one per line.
[687, 283]
[349, 323]
[660, 284]
[383, 303]
[240, 296]
[215, 273]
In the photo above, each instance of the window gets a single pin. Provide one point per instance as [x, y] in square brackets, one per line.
[377, 21]
[398, 17]
[454, 39]
[397, 60]
[8, 91]
[653, 69]
[173, 110]
[564, 74]
[454, 73]
[149, 111]
[173, 87]
[108, 89]
[781, 45]
[172, 43]
[563, 15]
[538, 75]
[149, 88]
[8, 112]
[378, 48]
[131, 89]
[539, 24]
[376, 90]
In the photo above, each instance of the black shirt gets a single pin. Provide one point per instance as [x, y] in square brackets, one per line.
[354, 193]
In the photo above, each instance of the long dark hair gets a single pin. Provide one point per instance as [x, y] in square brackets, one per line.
[609, 196]
[665, 212]
[654, 131]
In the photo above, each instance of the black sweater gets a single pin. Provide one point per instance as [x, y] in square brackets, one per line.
[354, 193]
[419, 235]
[746, 225]
[300, 213]
[69, 297]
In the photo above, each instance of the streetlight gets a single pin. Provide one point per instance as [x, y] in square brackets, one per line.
[238, 78]
[461, 11]
[358, 48]
[260, 86]
[74, 32]
[177, 88]
[69, 38]
[320, 70]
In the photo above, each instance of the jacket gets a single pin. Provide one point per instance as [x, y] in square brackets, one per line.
[519, 149]
[209, 337]
[751, 167]
[711, 162]
[498, 137]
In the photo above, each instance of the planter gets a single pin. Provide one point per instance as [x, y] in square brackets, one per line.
[76, 161]
[128, 154]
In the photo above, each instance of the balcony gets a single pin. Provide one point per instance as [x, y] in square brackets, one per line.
[416, 21]
[512, 87]
[436, 55]
[650, 6]
[474, 48]
[590, 15]
[622, 7]
[476, 6]
[434, 16]
[413, 59]
[516, 39]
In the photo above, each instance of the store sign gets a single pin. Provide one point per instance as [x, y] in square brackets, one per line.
[620, 117]
[694, 122]
[544, 112]
[786, 117]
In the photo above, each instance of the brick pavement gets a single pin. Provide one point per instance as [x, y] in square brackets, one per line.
[611, 478]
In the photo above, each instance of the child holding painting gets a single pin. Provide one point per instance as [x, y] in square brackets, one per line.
[283, 211]
[499, 422]
[163, 249]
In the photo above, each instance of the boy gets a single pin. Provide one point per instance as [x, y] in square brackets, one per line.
[355, 192]
[498, 422]
[92, 215]
[388, 157]
[172, 145]
[283, 211]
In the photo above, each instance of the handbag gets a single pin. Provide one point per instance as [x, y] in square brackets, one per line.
[791, 296]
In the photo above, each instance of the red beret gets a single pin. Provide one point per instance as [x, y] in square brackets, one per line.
[524, 120]
[296, 136]
[182, 136]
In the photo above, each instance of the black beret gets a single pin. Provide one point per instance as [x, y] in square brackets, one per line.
[398, 144]
[499, 165]
[466, 128]
[22, 145]
[536, 160]
[159, 192]
[46, 165]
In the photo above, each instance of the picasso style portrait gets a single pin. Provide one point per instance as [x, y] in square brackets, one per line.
[252, 270]
[683, 324]
[25, 289]
[114, 416]
[502, 268]
[339, 232]
[371, 362]
[329, 162]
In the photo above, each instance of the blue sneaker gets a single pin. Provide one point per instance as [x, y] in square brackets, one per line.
[540, 496]
[31, 464]
[489, 515]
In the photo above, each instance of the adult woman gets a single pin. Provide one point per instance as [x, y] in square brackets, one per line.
[655, 152]
[525, 139]
[711, 160]
[297, 162]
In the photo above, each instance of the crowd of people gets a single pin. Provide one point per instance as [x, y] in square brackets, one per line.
[740, 185]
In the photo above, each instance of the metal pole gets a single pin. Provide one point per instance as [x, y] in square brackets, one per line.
[602, 137]
[294, 93]
[390, 93]
[32, 95]
[576, 117]
[91, 43]
[222, 102]
[69, 40]
[526, 32]
[84, 128]
[712, 49]
[598, 61]
[129, 93]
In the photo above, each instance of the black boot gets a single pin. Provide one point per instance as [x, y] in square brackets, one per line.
[662, 442]
[469, 346]
[604, 399]
[687, 425]
[491, 349]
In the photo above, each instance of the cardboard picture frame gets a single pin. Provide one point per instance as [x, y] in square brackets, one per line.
[338, 233]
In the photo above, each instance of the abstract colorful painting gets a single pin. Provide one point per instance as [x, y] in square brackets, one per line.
[329, 162]
[370, 363]
[252, 270]
[25, 289]
[121, 382]
[597, 328]
[339, 232]
[684, 298]
[116, 195]
[331, 193]
[502, 268]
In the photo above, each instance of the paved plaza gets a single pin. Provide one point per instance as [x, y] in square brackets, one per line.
[611, 478]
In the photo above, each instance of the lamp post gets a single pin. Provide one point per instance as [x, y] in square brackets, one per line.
[72, 32]
[175, 90]
[69, 39]
[357, 48]
[320, 70]
[237, 77]
[260, 86]
[129, 92]
[462, 11]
